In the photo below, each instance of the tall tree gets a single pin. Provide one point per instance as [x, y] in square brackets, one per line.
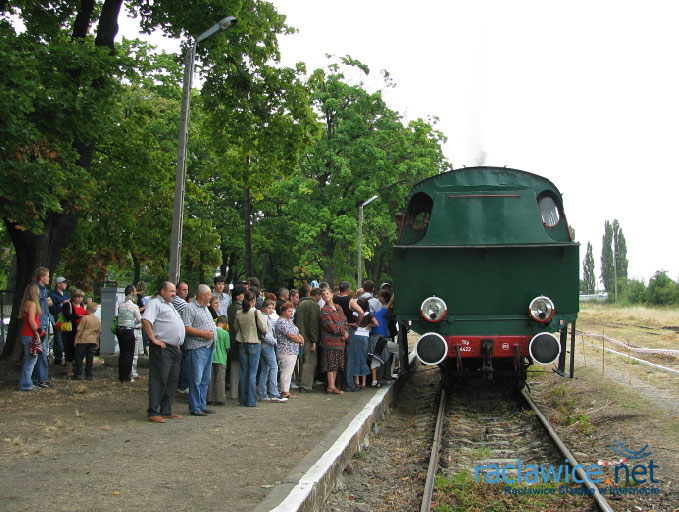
[62, 77]
[363, 150]
[264, 121]
[607, 258]
[613, 257]
[588, 271]
[620, 251]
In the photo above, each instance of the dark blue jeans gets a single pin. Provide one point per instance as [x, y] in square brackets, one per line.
[57, 346]
[40, 371]
[248, 354]
[199, 366]
[349, 361]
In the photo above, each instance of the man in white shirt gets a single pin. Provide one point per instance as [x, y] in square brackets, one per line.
[166, 332]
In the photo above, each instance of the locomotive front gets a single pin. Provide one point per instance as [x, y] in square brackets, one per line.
[485, 270]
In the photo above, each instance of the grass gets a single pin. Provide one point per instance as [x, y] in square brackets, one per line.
[566, 412]
[461, 492]
[637, 325]
[638, 315]
[484, 452]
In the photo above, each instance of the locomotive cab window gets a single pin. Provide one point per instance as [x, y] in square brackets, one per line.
[549, 210]
[419, 211]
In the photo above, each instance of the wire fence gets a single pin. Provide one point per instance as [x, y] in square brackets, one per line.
[625, 350]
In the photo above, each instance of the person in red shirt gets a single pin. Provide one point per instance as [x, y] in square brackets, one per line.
[31, 334]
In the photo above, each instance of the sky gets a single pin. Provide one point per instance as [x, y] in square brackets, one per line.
[585, 93]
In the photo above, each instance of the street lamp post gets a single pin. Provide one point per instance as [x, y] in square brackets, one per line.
[360, 238]
[180, 178]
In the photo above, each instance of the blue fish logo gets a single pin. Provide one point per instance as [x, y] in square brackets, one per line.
[630, 454]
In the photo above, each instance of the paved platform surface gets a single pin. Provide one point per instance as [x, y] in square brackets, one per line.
[88, 445]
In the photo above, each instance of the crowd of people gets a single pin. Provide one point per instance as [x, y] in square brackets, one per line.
[258, 347]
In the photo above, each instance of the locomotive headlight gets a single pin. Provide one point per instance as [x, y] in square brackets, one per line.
[433, 309]
[541, 309]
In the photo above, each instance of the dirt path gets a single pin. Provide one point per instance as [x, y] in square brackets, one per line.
[595, 411]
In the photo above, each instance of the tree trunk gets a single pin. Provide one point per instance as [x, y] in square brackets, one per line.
[33, 251]
[231, 268]
[44, 250]
[81, 25]
[108, 23]
[137, 269]
[248, 234]
[201, 268]
[248, 225]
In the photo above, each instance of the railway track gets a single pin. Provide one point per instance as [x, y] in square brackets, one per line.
[482, 430]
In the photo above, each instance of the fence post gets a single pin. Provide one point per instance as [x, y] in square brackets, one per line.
[603, 354]
[629, 363]
[584, 357]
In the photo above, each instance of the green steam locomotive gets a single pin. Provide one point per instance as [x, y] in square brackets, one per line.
[486, 271]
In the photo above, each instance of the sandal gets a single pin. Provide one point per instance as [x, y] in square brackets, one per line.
[335, 391]
[288, 395]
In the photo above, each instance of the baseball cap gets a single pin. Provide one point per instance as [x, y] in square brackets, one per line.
[344, 286]
[60, 279]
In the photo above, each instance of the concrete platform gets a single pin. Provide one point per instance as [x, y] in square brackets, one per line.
[307, 486]
[93, 441]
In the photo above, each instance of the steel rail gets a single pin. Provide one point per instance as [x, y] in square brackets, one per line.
[596, 495]
[435, 452]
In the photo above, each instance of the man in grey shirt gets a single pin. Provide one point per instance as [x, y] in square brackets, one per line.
[165, 331]
[201, 334]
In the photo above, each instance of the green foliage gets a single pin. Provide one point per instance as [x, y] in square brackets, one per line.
[662, 290]
[607, 258]
[91, 130]
[49, 104]
[363, 150]
[636, 291]
[613, 256]
[588, 277]
[620, 249]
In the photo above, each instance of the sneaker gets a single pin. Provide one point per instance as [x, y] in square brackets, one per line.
[265, 399]
[294, 386]
[375, 384]
[278, 399]
[43, 385]
[183, 391]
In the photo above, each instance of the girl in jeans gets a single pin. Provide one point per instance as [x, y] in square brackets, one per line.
[30, 329]
[267, 361]
[248, 323]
